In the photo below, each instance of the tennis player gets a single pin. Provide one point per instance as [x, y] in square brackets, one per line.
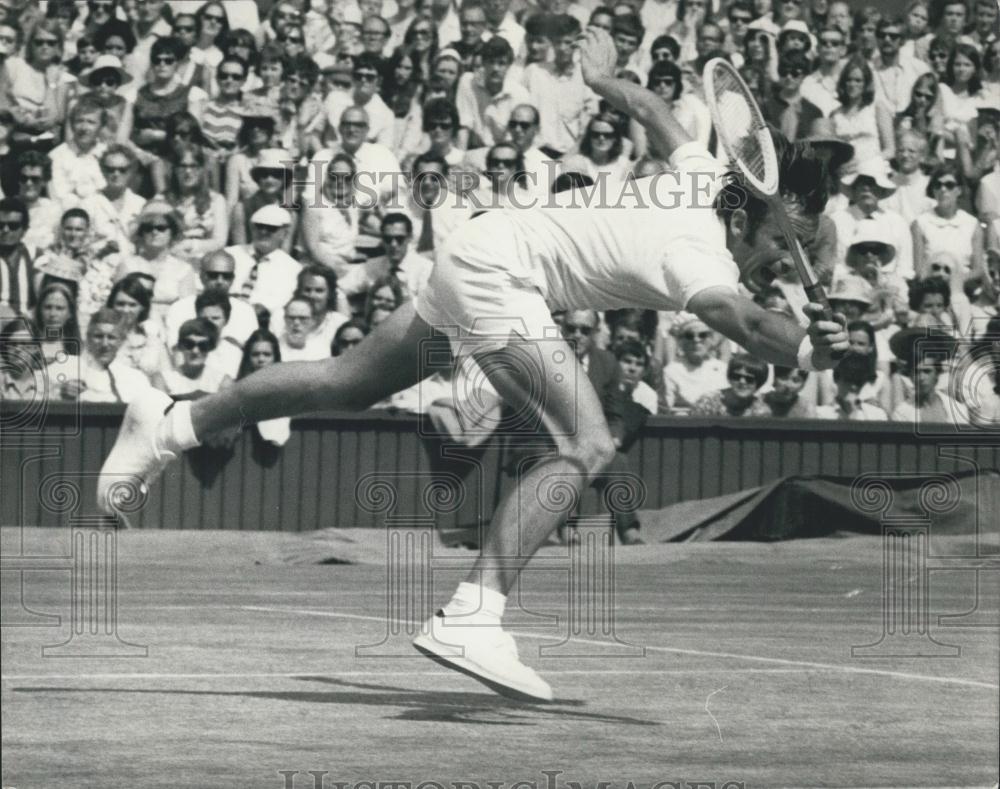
[495, 284]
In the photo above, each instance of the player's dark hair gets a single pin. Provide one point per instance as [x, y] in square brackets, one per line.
[803, 179]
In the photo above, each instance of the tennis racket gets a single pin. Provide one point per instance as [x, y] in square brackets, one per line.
[745, 137]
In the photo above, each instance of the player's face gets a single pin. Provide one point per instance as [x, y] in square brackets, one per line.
[766, 248]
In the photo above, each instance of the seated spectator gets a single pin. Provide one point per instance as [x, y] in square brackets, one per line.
[76, 168]
[402, 92]
[204, 221]
[977, 377]
[265, 274]
[785, 399]
[910, 198]
[56, 322]
[695, 372]
[367, 80]
[34, 172]
[485, 104]
[440, 124]
[786, 108]
[215, 306]
[143, 346]
[218, 272]
[37, 87]
[876, 390]
[746, 375]
[639, 325]
[17, 272]
[925, 403]
[318, 285]
[872, 259]
[383, 298]
[273, 176]
[633, 358]
[376, 164]
[22, 363]
[349, 334]
[84, 263]
[601, 152]
[255, 137]
[115, 208]
[923, 115]
[505, 182]
[850, 376]
[331, 225]
[97, 376]
[301, 117]
[860, 120]
[297, 340]
[222, 117]
[262, 350]
[947, 227]
[157, 229]
[187, 373]
[931, 297]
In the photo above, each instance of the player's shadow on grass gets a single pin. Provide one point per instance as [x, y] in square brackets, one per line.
[419, 705]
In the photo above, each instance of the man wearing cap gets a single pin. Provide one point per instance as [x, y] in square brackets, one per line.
[869, 185]
[894, 72]
[273, 176]
[366, 80]
[218, 272]
[564, 102]
[485, 107]
[265, 273]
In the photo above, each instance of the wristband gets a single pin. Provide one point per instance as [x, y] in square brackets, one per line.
[804, 357]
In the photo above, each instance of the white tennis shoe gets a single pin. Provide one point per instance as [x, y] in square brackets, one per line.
[484, 652]
[135, 461]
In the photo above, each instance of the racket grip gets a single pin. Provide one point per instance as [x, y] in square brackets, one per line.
[817, 295]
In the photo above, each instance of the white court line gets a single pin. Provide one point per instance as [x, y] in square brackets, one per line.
[376, 674]
[676, 650]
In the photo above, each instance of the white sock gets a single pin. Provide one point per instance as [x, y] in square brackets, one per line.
[175, 433]
[477, 602]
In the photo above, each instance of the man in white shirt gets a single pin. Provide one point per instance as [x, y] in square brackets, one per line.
[820, 87]
[485, 108]
[910, 198]
[265, 273]
[893, 72]
[218, 271]
[298, 343]
[540, 168]
[400, 261]
[76, 168]
[500, 22]
[563, 101]
[115, 209]
[491, 291]
[364, 95]
[377, 166]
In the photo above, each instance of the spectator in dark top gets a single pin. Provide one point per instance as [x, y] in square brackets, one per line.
[791, 112]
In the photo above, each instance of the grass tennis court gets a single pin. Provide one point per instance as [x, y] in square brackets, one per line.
[747, 674]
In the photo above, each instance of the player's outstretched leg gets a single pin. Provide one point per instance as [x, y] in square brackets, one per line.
[156, 430]
[466, 634]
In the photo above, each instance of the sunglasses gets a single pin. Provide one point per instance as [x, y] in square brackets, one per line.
[6, 226]
[46, 42]
[31, 179]
[520, 124]
[214, 18]
[365, 76]
[599, 135]
[164, 60]
[391, 239]
[940, 267]
[696, 335]
[269, 230]
[887, 36]
[354, 124]
[574, 328]
[343, 84]
[740, 20]
[422, 33]
[663, 81]
[185, 29]
[109, 169]
[440, 125]
[869, 249]
[107, 82]
[946, 185]
[159, 228]
[219, 275]
[229, 76]
[502, 163]
[744, 377]
[293, 40]
[831, 42]
[196, 345]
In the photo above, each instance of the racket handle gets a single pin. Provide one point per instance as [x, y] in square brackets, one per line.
[817, 295]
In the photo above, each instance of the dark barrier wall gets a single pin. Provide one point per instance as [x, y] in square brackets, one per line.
[354, 470]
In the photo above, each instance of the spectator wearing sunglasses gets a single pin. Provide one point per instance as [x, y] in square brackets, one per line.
[211, 29]
[101, 84]
[695, 371]
[150, 24]
[601, 152]
[745, 375]
[895, 74]
[17, 261]
[820, 85]
[33, 174]
[217, 273]
[786, 108]
[301, 118]
[366, 80]
[223, 116]
[400, 261]
[947, 227]
[187, 373]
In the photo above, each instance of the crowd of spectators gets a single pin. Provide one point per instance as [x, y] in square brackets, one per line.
[192, 190]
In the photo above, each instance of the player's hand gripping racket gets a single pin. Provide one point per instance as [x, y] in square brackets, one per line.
[745, 137]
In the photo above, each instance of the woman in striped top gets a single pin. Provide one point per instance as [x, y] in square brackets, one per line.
[223, 116]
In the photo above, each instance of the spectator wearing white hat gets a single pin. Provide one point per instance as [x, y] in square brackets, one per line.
[265, 273]
[695, 372]
[273, 175]
[103, 81]
[851, 296]
[946, 226]
[869, 185]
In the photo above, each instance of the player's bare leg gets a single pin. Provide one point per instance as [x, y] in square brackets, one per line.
[466, 634]
[155, 430]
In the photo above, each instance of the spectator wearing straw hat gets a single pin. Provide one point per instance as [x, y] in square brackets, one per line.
[103, 81]
[851, 296]
[869, 184]
[265, 273]
[273, 175]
